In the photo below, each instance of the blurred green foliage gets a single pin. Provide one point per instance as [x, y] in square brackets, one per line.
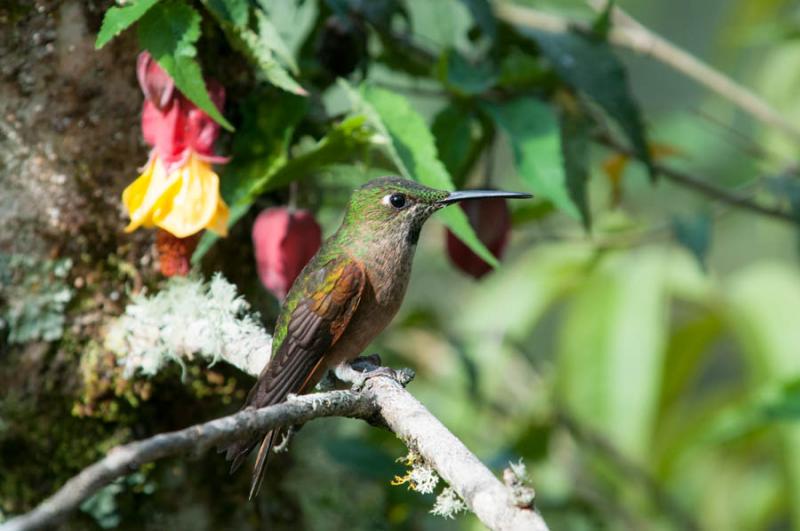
[638, 347]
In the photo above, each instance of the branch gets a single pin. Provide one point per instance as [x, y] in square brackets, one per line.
[702, 186]
[382, 398]
[628, 33]
[483, 493]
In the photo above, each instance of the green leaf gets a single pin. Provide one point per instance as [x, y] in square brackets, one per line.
[260, 148]
[611, 349]
[763, 303]
[412, 149]
[341, 144]
[575, 129]
[269, 34]
[533, 130]
[260, 47]
[460, 139]
[168, 31]
[118, 19]
[689, 343]
[481, 11]
[543, 274]
[694, 233]
[520, 70]
[589, 66]
[236, 12]
[260, 153]
[602, 24]
[462, 77]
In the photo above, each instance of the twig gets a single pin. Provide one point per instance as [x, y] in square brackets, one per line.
[702, 186]
[628, 33]
[382, 397]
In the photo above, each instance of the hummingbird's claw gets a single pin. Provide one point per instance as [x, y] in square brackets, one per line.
[286, 437]
[361, 369]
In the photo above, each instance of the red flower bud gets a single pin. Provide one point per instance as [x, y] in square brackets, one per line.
[175, 254]
[284, 241]
[491, 220]
[172, 124]
[156, 84]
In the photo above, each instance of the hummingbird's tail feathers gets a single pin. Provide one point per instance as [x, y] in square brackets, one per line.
[238, 452]
[261, 463]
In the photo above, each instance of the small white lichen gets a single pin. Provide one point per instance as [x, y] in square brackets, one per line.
[516, 478]
[421, 477]
[519, 469]
[448, 504]
[424, 478]
[186, 320]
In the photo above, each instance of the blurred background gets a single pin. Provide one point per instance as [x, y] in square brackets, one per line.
[637, 348]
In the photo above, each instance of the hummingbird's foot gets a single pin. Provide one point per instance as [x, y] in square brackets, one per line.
[363, 368]
[286, 437]
[367, 363]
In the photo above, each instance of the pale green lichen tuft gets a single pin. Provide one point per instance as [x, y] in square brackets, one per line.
[33, 297]
[186, 320]
[102, 505]
[448, 504]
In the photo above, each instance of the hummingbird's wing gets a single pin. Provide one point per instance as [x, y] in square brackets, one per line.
[326, 301]
[316, 323]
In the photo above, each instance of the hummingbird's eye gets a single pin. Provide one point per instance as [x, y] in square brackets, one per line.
[398, 201]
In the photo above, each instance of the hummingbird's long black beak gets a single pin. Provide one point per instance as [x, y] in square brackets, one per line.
[466, 195]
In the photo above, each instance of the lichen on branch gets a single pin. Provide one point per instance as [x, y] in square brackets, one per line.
[186, 320]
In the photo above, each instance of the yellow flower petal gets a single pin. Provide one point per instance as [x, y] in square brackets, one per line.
[219, 223]
[188, 208]
[142, 195]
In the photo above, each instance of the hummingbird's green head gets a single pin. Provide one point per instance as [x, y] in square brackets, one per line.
[391, 209]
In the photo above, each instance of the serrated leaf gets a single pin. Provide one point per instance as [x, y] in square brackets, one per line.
[118, 19]
[412, 149]
[260, 148]
[168, 31]
[236, 12]
[342, 142]
[575, 141]
[260, 47]
[481, 11]
[459, 140]
[590, 67]
[269, 34]
[533, 130]
[694, 233]
[260, 161]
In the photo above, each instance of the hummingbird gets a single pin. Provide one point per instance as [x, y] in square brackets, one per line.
[345, 296]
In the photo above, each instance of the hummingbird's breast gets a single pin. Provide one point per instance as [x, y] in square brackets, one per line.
[387, 279]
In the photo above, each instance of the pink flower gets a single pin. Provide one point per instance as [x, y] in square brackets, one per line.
[178, 191]
[284, 241]
[173, 125]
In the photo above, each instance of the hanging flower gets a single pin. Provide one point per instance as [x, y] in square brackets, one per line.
[491, 220]
[178, 191]
[284, 240]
